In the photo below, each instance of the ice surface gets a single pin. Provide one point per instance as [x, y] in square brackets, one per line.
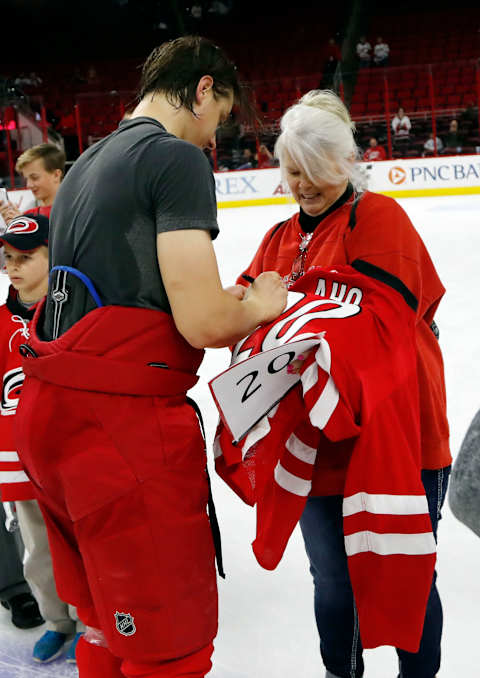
[267, 625]
[16, 654]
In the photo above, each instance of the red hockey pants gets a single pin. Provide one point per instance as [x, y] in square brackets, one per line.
[122, 485]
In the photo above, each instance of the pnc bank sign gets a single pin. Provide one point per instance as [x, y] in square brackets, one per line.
[432, 173]
[397, 175]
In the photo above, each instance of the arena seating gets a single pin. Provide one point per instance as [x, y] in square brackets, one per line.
[427, 49]
[432, 55]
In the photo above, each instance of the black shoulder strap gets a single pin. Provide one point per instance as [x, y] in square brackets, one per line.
[352, 221]
[387, 278]
[276, 228]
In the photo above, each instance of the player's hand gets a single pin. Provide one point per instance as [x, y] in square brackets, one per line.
[270, 292]
[8, 211]
[237, 291]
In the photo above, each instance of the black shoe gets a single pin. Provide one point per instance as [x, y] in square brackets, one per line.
[25, 612]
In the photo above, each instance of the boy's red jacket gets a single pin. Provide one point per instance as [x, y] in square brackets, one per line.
[14, 319]
[358, 392]
[44, 211]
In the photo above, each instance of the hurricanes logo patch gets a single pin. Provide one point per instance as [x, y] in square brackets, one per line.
[124, 623]
[22, 225]
[12, 386]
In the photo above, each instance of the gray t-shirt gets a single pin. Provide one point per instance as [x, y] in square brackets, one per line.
[135, 183]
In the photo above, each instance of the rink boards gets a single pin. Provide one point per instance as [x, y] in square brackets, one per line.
[414, 178]
[419, 177]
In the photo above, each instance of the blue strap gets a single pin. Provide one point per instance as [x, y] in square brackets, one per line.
[85, 279]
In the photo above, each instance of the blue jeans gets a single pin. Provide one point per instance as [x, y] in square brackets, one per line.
[335, 612]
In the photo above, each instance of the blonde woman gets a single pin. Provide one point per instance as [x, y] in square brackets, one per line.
[340, 223]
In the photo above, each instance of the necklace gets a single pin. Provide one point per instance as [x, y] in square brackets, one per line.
[349, 197]
[298, 265]
[304, 241]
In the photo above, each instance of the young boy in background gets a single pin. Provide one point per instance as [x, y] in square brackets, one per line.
[15, 593]
[43, 168]
[25, 244]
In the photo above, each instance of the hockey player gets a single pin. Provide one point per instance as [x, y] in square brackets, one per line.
[338, 223]
[26, 259]
[116, 454]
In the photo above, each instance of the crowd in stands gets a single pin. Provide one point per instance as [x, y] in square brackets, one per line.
[252, 159]
[331, 58]
[102, 91]
[452, 143]
[374, 151]
[410, 135]
[416, 140]
[378, 57]
[401, 124]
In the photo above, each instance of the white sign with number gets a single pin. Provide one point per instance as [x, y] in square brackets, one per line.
[247, 391]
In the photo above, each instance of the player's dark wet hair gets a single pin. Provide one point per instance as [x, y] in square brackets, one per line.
[175, 68]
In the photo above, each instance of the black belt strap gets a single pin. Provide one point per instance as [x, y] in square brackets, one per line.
[212, 514]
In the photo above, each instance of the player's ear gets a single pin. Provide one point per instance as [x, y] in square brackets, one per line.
[204, 86]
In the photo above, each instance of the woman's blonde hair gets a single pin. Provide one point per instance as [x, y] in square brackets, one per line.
[317, 134]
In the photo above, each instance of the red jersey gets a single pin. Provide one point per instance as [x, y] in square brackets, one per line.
[375, 236]
[14, 483]
[359, 384]
[374, 153]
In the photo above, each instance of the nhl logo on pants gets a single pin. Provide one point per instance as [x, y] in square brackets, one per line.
[124, 623]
